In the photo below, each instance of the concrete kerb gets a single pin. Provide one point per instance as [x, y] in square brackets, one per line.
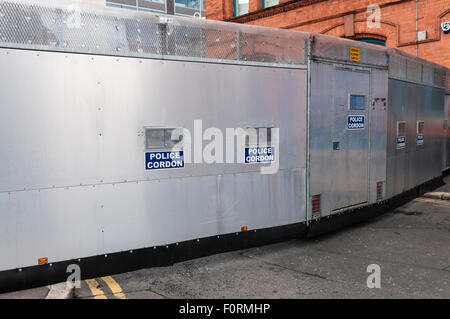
[60, 291]
[438, 195]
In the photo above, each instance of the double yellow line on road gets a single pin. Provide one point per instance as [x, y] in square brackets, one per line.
[98, 293]
[432, 200]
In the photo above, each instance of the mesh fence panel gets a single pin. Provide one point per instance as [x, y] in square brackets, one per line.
[408, 67]
[68, 27]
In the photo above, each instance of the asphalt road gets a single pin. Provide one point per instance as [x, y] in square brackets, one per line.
[410, 244]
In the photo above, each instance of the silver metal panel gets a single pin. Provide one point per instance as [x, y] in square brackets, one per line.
[93, 111]
[338, 49]
[62, 224]
[414, 164]
[378, 132]
[350, 161]
[73, 155]
[320, 174]
[63, 26]
[446, 157]
[323, 129]
[404, 66]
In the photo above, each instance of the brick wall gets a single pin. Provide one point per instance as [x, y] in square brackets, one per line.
[348, 18]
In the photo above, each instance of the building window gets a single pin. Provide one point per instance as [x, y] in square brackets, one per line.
[194, 4]
[182, 7]
[240, 7]
[373, 41]
[190, 7]
[269, 3]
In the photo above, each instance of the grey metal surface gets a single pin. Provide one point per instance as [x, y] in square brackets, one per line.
[73, 156]
[378, 133]
[350, 161]
[80, 28]
[414, 164]
[403, 66]
[346, 177]
[446, 153]
[338, 50]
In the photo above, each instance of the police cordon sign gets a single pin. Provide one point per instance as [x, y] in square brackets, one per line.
[164, 160]
[262, 154]
[420, 139]
[356, 122]
[401, 142]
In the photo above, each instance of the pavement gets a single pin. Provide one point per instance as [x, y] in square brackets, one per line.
[409, 244]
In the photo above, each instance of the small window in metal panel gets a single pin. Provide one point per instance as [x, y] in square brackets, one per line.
[401, 128]
[173, 137]
[336, 146]
[258, 136]
[264, 136]
[357, 102]
[162, 138]
[420, 127]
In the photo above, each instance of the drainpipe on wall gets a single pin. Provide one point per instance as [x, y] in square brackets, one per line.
[417, 27]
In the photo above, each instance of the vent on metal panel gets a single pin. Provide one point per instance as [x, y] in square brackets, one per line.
[315, 204]
[380, 190]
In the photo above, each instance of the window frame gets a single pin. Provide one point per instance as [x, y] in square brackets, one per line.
[236, 7]
[418, 133]
[398, 135]
[178, 146]
[268, 141]
[264, 7]
[398, 128]
[350, 100]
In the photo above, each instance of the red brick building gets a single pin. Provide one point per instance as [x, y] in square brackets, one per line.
[414, 26]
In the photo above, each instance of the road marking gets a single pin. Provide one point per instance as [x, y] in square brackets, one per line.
[97, 293]
[434, 201]
[114, 286]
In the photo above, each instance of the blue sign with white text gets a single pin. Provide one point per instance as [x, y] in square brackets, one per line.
[164, 160]
[419, 139]
[401, 142]
[356, 122]
[262, 154]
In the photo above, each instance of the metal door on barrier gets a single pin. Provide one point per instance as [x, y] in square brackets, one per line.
[350, 137]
